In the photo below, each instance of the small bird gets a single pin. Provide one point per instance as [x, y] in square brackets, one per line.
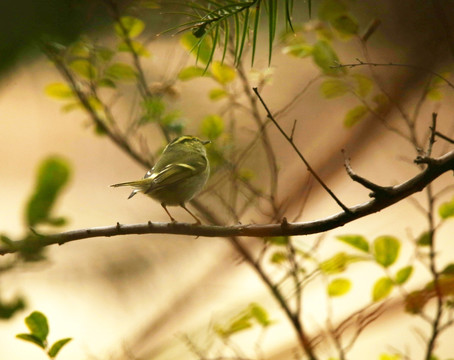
[179, 174]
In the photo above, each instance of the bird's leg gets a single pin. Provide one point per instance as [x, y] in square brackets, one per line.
[198, 222]
[167, 211]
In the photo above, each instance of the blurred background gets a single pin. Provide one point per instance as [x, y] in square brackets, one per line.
[158, 296]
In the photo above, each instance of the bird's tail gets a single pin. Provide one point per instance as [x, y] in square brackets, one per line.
[138, 185]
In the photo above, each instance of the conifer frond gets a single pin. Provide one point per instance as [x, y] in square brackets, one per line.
[231, 24]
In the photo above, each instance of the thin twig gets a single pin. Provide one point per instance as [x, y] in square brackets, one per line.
[309, 168]
[410, 66]
[444, 137]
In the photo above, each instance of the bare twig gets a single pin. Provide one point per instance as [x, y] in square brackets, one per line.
[309, 168]
[377, 190]
[410, 66]
[444, 137]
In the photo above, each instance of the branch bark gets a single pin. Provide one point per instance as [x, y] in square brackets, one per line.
[435, 168]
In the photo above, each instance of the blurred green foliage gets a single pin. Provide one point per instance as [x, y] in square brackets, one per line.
[53, 175]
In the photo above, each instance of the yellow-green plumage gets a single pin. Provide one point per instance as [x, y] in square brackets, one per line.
[178, 175]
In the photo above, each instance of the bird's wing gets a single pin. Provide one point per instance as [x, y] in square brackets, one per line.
[173, 173]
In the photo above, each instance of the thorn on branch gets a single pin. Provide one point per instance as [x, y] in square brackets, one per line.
[118, 226]
[377, 190]
[284, 223]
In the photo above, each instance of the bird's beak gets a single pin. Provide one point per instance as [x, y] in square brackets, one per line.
[206, 142]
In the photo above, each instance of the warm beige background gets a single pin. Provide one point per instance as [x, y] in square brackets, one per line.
[141, 293]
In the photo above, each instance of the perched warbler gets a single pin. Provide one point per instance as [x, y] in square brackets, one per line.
[178, 175]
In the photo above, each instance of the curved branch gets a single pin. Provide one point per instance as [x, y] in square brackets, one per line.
[435, 168]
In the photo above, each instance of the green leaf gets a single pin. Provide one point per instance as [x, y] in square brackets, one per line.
[57, 221]
[84, 68]
[53, 175]
[37, 324]
[403, 275]
[298, 50]
[357, 241]
[154, 109]
[434, 94]
[107, 83]
[135, 47]
[386, 250]
[201, 48]
[71, 107]
[381, 101]
[121, 72]
[260, 314]
[222, 73]
[339, 287]
[246, 174]
[190, 72]
[236, 325]
[333, 88]
[355, 115]
[425, 239]
[32, 338]
[277, 240]
[11, 307]
[241, 37]
[255, 31]
[212, 126]
[446, 210]
[272, 20]
[59, 91]
[79, 48]
[382, 288]
[278, 257]
[389, 357]
[336, 264]
[448, 270]
[57, 346]
[363, 84]
[331, 9]
[217, 94]
[129, 26]
[325, 58]
[104, 54]
[345, 24]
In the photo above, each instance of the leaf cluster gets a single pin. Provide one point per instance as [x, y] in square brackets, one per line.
[38, 326]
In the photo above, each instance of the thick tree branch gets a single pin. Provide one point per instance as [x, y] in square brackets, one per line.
[435, 168]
